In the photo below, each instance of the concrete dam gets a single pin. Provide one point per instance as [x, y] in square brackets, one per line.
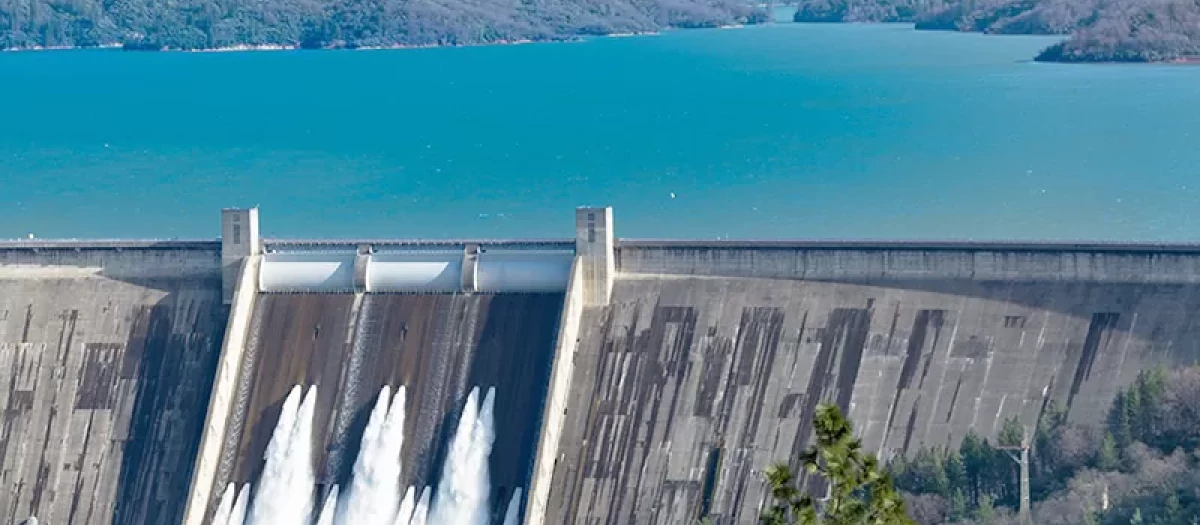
[586, 380]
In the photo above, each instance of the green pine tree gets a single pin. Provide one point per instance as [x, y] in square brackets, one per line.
[976, 456]
[1053, 417]
[1012, 434]
[956, 471]
[1133, 414]
[1119, 424]
[959, 509]
[1172, 511]
[860, 491]
[1107, 458]
[986, 512]
[1151, 386]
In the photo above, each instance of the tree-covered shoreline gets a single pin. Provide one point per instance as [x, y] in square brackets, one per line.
[318, 24]
[1100, 30]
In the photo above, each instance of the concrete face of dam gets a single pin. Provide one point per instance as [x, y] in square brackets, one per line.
[696, 377]
[106, 360]
[636, 381]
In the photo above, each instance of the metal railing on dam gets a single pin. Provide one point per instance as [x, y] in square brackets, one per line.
[110, 244]
[434, 244]
[651, 384]
[915, 245]
[825, 260]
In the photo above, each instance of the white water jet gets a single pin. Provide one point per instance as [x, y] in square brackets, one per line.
[482, 439]
[329, 509]
[453, 483]
[225, 507]
[232, 508]
[512, 516]
[421, 511]
[272, 483]
[404, 515]
[375, 482]
[463, 493]
[284, 495]
[238, 516]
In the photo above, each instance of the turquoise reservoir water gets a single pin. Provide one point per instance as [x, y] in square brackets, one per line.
[791, 130]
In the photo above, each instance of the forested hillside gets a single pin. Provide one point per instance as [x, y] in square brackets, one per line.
[1142, 467]
[1101, 30]
[201, 24]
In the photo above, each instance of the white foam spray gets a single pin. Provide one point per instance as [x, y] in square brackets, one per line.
[240, 505]
[284, 495]
[232, 508]
[462, 497]
[375, 482]
[225, 507]
[421, 511]
[329, 509]
[404, 515]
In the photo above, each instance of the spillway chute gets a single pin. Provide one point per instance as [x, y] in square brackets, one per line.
[284, 491]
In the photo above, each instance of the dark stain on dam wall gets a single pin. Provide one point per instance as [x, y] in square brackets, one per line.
[438, 346]
[106, 363]
[686, 387]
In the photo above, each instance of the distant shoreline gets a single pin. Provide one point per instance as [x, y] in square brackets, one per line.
[113, 45]
[295, 47]
[1166, 34]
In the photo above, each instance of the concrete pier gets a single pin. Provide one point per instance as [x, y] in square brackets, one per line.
[222, 401]
[239, 241]
[594, 244]
[557, 396]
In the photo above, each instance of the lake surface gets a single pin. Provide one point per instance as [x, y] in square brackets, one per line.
[792, 130]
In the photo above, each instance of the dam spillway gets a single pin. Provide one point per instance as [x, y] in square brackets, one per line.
[438, 346]
[635, 381]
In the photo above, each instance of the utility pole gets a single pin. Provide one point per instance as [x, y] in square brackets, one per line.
[1022, 458]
